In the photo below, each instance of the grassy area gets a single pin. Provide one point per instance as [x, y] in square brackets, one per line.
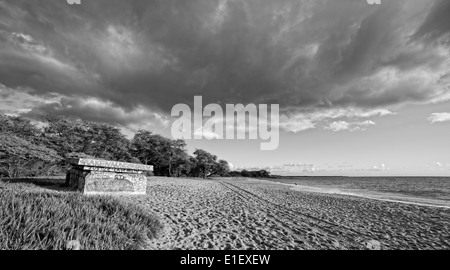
[31, 219]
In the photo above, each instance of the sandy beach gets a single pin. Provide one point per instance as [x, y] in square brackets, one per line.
[255, 215]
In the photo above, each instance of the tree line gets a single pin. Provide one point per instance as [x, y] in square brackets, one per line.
[28, 150]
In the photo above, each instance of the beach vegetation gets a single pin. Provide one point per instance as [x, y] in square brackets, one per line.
[34, 220]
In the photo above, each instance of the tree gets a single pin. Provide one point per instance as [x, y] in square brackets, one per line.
[246, 173]
[221, 168]
[179, 160]
[20, 127]
[185, 166]
[86, 138]
[29, 149]
[252, 174]
[107, 142]
[152, 149]
[206, 163]
[21, 158]
[264, 174]
[169, 157]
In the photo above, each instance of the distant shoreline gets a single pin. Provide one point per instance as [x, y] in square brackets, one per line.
[387, 197]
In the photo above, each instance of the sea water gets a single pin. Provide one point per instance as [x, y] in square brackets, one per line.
[430, 191]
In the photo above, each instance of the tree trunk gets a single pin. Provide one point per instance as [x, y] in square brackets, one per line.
[170, 164]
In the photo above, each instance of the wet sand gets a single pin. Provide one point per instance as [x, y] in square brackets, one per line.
[251, 214]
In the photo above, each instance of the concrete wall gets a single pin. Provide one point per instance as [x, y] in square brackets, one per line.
[106, 182]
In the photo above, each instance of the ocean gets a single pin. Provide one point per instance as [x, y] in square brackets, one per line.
[430, 191]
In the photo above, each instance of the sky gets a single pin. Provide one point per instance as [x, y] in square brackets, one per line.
[362, 89]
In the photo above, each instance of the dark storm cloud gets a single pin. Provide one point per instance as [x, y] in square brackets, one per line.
[437, 22]
[97, 111]
[150, 55]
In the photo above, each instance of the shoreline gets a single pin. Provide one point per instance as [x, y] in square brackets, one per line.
[395, 198]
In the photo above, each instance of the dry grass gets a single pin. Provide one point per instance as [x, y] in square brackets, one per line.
[32, 219]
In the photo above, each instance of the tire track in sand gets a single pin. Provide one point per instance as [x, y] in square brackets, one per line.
[285, 216]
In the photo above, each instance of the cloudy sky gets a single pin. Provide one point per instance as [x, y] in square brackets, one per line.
[363, 89]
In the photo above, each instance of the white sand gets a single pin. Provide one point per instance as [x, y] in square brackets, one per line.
[246, 214]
